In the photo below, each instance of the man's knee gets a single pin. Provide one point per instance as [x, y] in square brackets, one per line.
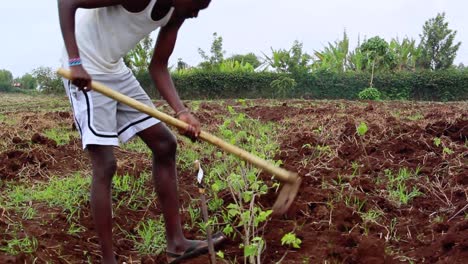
[165, 147]
[103, 161]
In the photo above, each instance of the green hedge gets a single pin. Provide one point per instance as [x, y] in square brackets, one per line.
[426, 86]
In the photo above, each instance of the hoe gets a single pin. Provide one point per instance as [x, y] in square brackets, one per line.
[290, 179]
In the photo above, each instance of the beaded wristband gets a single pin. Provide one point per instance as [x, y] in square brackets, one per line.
[185, 110]
[74, 62]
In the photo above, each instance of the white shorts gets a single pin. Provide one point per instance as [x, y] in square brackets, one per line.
[103, 121]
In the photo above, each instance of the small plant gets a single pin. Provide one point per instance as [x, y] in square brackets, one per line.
[133, 190]
[398, 191]
[75, 229]
[291, 240]
[283, 86]
[29, 213]
[372, 215]
[370, 94]
[17, 246]
[151, 237]
[362, 129]
[437, 141]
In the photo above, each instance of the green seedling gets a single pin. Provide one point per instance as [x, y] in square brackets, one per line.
[362, 129]
[291, 240]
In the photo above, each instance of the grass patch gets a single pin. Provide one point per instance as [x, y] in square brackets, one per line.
[416, 117]
[68, 193]
[398, 191]
[131, 192]
[136, 145]
[16, 246]
[151, 237]
[61, 135]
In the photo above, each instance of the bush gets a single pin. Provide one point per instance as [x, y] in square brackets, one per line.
[369, 94]
[449, 85]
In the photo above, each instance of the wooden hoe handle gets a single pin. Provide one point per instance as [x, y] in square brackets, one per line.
[281, 174]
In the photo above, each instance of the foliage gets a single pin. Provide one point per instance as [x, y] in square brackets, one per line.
[446, 85]
[291, 240]
[376, 56]
[216, 57]
[334, 57]
[5, 80]
[405, 54]
[438, 49]
[293, 61]
[27, 81]
[397, 186]
[369, 94]
[283, 85]
[151, 237]
[249, 58]
[48, 80]
[235, 66]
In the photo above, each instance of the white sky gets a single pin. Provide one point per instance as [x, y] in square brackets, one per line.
[31, 36]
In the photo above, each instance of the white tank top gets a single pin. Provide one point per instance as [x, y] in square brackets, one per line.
[105, 35]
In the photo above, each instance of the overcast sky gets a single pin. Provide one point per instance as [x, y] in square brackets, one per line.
[31, 36]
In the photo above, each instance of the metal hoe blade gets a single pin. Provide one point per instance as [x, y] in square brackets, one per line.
[286, 197]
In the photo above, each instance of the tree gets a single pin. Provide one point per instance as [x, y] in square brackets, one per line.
[249, 58]
[6, 78]
[139, 58]
[181, 65]
[48, 80]
[217, 53]
[438, 50]
[334, 57]
[376, 56]
[293, 61]
[27, 81]
[406, 54]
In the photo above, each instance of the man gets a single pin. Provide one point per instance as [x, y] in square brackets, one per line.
[108, 30]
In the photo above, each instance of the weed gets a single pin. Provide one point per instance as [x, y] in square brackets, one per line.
[61, 135]
[372, 216]
[151, 237]
[17, 245]
[131, 192]
[68, 193]
[291, 240]
[75, 229]
[29, 213]
[398, 191]
[137, 145]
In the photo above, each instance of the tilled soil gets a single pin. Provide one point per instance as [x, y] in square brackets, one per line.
[344, 175]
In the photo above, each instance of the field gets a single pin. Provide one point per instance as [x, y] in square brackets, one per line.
[383, 182]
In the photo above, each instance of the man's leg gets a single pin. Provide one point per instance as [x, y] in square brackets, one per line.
[104, 166]
[164, 145]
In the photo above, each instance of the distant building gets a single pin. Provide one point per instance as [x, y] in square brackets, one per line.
[17, 84]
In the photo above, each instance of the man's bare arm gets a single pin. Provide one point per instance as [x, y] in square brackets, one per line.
[160, 74]
[159, 64]
[67, 11]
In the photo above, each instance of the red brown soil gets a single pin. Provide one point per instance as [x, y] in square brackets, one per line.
[329, 229]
